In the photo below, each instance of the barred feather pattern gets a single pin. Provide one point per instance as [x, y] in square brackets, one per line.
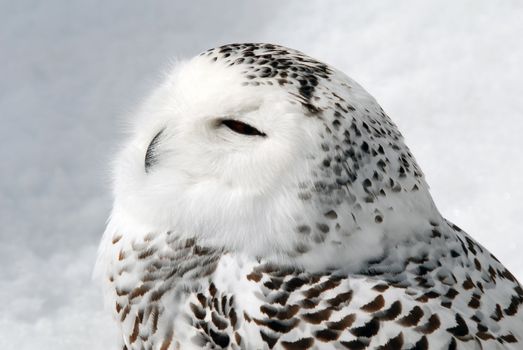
[453, 295]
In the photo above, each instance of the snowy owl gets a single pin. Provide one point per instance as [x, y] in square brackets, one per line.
[264, 200]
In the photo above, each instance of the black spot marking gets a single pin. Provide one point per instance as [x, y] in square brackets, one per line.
[218, 321]
[342, 324]
[451, 293]
[198, 312]
[512, 309]
[331, 214]
[278, 326]
[326, 335]
[318, 316]
[374, 305]
[324, 228]
[391, 313]
[475, 301]
[393, 343]
[453, 345]
[354, 344]
[303, 343]
[315, 291]
[271, 341]
[509, 338]
[412, 318]
[461, 329]
[304, 229]
[219, 338]
[340, 299]
[430, 326]
[368, 330]
[381, 287]
[293, 284]
[422, 344]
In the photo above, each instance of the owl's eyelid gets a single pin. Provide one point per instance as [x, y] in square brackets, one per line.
[240, 127]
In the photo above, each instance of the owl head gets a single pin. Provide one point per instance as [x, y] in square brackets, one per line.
[266, 151]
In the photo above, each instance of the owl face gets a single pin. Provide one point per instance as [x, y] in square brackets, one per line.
[212, 155]
[242, 138]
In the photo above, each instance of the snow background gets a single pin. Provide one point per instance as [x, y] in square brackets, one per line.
[449, 73]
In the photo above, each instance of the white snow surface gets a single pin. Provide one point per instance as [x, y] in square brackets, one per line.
[449, 73]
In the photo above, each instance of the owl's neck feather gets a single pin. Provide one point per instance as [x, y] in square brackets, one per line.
[357, 238]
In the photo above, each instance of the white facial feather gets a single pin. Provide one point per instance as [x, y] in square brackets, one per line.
[210, 181]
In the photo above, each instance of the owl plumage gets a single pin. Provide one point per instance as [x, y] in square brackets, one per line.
[264, 200]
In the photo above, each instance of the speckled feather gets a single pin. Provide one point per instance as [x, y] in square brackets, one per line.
[362, 260]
